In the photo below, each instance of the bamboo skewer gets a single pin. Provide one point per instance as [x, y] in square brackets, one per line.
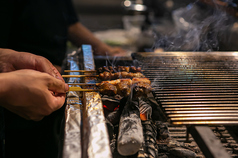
[79, 76]
[80, 71]
[84, 84]
[81, 90]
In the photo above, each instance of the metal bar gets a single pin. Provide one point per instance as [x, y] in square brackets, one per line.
[204, 118]
[202, 112]
[204, 115]
[95, 134]
[202, 108]
[204, 122]
[208, 143]
[172, 103]
[72, 132]
[72, 141]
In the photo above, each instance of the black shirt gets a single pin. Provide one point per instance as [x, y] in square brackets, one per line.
[39, 27]
[36, 26]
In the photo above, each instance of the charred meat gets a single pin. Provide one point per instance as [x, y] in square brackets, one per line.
[122, 87]
[114, 69]
[112, 76]
[108, 89]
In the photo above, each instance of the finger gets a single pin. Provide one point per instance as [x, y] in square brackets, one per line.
[44, 65]
[57, 101]
[5, 67]
[58, 86]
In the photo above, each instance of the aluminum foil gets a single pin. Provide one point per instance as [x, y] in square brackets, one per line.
[72, 141]
[96, 138]
[93, 142]
[72, 147]
[95, 134]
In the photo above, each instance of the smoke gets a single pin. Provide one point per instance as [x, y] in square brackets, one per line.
[197, 28]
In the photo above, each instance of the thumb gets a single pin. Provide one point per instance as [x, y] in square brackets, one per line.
[58, 86]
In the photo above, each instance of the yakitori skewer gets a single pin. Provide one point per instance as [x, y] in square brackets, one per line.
[84, 84]
[64, 76]
[122, 87]
[81, 90]
[80, 71]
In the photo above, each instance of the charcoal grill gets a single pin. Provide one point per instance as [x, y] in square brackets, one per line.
[194, 87]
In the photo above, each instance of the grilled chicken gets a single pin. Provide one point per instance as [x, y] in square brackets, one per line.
[112, 76]
[115, 69]
[122, 87]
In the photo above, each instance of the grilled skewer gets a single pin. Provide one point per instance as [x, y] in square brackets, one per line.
[119, 69]
[122, 87]
[112, 76]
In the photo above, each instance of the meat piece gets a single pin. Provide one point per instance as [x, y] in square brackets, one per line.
[141, 89]
[111, 76]
[112, 68]
[113, 82]
[124, 87]
[138, 69]
[105, 68]
[140, 86]
[138, 74]
[108, 89]
[100, 70]
[144, 80]
[132, 69]
[119, 69]
[127, 68]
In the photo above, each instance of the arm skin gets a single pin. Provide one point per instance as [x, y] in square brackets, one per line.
[79, 34]
[30, 85]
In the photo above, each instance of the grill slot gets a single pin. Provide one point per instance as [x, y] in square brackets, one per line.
[194, 87]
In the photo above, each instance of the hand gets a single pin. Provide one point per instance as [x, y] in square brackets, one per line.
[28, 93]
[106, 50]
[11, 60]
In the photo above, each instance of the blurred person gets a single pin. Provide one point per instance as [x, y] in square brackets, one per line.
[31, 88]
[43, 27]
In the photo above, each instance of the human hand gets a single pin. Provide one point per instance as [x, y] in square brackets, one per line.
[11, 60]
[106, 50]
[28, 93]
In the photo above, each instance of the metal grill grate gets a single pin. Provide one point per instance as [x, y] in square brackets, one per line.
[194, 87]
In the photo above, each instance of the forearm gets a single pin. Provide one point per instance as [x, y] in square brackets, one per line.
[79, 34]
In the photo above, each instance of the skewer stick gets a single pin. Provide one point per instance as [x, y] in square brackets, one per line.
[84, 84]
[80, 71]
[79, 76]
[81, 90]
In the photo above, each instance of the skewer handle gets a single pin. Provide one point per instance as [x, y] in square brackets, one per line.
[80, 71]
[64, 76]
[81, 90]
[84, 84]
